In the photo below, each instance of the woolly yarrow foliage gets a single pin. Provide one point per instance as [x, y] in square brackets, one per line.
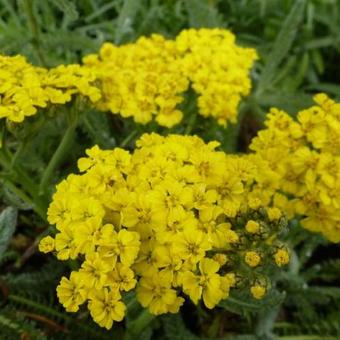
[170, 219]
[302, 158]
[25, 88]
[149, 78]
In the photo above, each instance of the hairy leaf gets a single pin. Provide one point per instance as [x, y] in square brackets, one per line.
[202, 13]
[8, 221]
[282, 45]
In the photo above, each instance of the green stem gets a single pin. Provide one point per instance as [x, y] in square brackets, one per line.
[17, 154]
[138, 325]
[127, 140]
[294, 266]
[33, 26]
[57, 157]
[191, 123]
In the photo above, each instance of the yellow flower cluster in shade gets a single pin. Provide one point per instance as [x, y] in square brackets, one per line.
[302, 158]
[151, 77]
[171, 220]
[24, 88]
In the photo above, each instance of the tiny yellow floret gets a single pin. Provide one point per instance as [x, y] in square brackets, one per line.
[258, 292]
[281, 257]
[274, 213]
[252, 227]
[46, 244]
[252, 258]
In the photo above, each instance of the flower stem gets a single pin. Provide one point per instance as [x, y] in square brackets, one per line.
[191, 123]
[128, 139]
[137, 326]
[57, 157]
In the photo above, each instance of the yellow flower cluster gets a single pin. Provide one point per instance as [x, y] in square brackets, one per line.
[24, 88]
[217, 69]
[301, 158]
[170, 218]
[152, 76]
[143, 80]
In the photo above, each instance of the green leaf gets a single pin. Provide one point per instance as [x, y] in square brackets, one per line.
[8, 221]
[327, 271]
[126, 19]
[292, 102]
[68, 8]
[282, 45]
[333, 292]
[96, 125]
[333, 89]
[242, 303]
[202, 13]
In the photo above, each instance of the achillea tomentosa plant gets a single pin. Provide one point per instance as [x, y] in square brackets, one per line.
[302, 157]
[171, 220]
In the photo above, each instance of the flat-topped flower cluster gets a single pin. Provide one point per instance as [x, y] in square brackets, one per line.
[302, 158]
[24, 88]
[145, 80]
[170, 220]
[150, 78]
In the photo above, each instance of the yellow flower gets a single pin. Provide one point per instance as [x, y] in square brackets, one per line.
[281, 257]
[203, 198]
[94, 271]
[155, 292]
[141, 215]
[252, 258]
[65, 244]
[222, 259]
[252, 227]
[87, 234]
[191, 245]
[258, 291]
[105, 307]
[87, 209]
[71, 292]
[127, 246]
[59, 211]
[207, 285]
[123, 245]
[46, 244]
[121, 278]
